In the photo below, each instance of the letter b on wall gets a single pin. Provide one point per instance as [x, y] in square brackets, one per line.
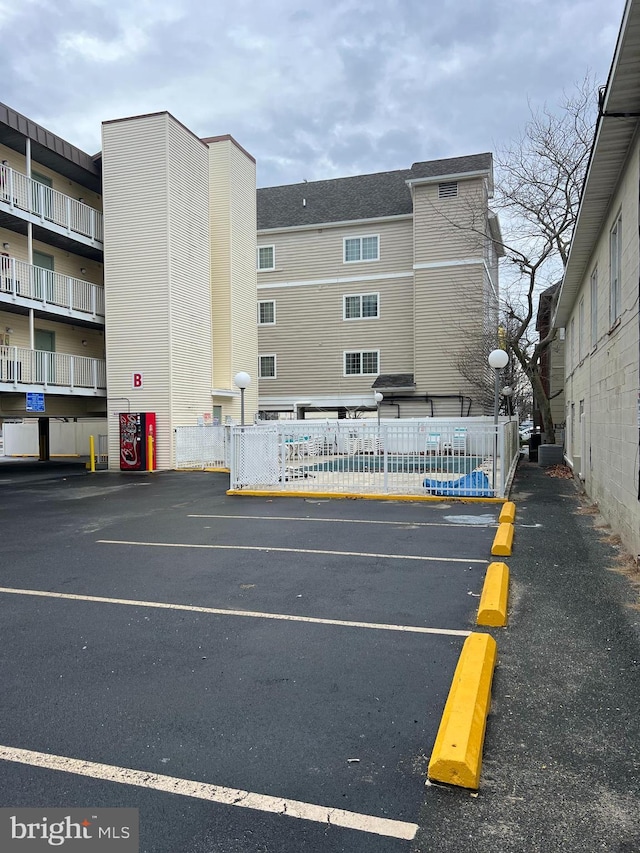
[136, 380]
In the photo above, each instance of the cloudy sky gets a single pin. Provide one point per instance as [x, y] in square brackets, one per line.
[312, 90]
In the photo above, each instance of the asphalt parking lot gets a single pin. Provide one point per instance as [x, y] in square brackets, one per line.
[194, 652]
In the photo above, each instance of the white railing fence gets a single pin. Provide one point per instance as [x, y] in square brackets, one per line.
[18, 190]
[442, 457]
[21, 366]
[202, 447]
[18, 278]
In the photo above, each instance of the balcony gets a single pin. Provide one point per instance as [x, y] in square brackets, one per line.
[23, 370]
[34, 202]
[44, 290]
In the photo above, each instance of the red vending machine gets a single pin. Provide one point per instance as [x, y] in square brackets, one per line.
[135, 430]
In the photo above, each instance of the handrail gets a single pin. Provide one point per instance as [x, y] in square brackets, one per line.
[22, 366]
[47, 287]
[22, 192]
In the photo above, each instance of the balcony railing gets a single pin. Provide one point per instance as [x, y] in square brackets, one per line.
[46, 287]
[19, 191]
[21, 367]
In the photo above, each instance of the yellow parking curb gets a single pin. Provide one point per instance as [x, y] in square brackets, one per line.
[299, 493]
[508, 512]
[492, 611]
[503, 541]
[457, 753]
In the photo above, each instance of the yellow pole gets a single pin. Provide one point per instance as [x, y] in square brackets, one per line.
[150, 453]
[92, 454]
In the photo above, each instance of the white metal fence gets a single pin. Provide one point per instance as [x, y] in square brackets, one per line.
[202, 447]
[22, 366]
[18, 190]
[18, 278]
[448, 458]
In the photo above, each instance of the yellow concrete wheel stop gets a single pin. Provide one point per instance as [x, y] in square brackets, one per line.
[457, 753]
[492, 611]
[508, 512]
[503, 541]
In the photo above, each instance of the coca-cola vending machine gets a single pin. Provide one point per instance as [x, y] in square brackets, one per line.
[135, 430]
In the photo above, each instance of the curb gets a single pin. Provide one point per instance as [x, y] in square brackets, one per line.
[266, 493]
[508, 513]
[503, 541]
[457, 753]
[492, 612]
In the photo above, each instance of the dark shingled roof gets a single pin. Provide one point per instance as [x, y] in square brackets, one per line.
[358, 197]
[394, 380]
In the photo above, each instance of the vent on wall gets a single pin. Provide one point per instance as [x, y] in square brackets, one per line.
[448, 190]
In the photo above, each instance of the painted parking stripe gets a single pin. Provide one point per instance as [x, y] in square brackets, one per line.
[267, 549]
[252, 614]
[213, 793]
[493, 523]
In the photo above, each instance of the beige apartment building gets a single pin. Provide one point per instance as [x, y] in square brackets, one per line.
[376, 283]
[127, 279]
[598, 304]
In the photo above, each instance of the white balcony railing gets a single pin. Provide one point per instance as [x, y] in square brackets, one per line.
[20, 367]
[46, 287]
[19, 191]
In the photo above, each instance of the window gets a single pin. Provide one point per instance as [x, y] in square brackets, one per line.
[361, 249]
[615, 256]
[594, 307]
[266, 257]
[572, 343]
[581, 340]
[448, 190]
[267, 313]
[267, 366]
[360, 306]
[361, 363]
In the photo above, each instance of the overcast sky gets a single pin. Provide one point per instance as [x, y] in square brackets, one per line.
[312, 90]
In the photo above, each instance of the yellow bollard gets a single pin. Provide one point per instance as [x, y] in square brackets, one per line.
[150, 453]
[92, 454]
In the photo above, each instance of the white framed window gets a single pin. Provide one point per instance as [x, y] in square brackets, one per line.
[357, 249]
[361, 306]
[448, 190]
[266, 257]
[594, 307]
[615, 267]
[581, 338]
[267, 366]
[267, 312]
[362, 363]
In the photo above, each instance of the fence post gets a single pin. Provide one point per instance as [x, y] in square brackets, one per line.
[385, 456]
[92, 454]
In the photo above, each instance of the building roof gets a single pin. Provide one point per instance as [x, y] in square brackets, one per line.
[615, 131]
[394, 381]
[49, 149]
[359, 197]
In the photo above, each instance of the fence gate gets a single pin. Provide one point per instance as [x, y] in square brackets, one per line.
[202, 447]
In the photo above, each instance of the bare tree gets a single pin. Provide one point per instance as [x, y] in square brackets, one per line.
[539, 181]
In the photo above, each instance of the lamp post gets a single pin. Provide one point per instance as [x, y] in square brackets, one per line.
[242, 380]
[498, 360]
[378, 397]
[507, 393]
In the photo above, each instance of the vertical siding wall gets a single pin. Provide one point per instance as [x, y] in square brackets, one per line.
[452, 302]
[232, 204]
[156, 274]
[606, 377]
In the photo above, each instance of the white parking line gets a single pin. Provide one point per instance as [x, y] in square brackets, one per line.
[348, 520]
[253, 614]
[267, 549]
[213, 793]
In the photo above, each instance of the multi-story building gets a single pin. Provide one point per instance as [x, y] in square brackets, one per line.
[598, 303]
[127, 280]
[383, 282]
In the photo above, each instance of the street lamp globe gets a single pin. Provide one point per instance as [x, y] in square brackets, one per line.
[242, 380]
[498, 359]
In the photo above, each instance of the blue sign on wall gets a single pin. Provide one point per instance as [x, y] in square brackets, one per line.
[35, 402]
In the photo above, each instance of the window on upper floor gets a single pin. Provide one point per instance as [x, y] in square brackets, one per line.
[581, 338]
[448, 189]
[266, 366]
[615, 269]
[361, 249]
[266, 257]
[361, 306]
[362, 363]
[267, 312]
[594, 307]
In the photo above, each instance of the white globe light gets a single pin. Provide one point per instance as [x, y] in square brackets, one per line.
[242, 379]
[378, 397]
[498, 359]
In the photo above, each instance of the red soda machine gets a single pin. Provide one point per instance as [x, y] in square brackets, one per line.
[136, 428]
